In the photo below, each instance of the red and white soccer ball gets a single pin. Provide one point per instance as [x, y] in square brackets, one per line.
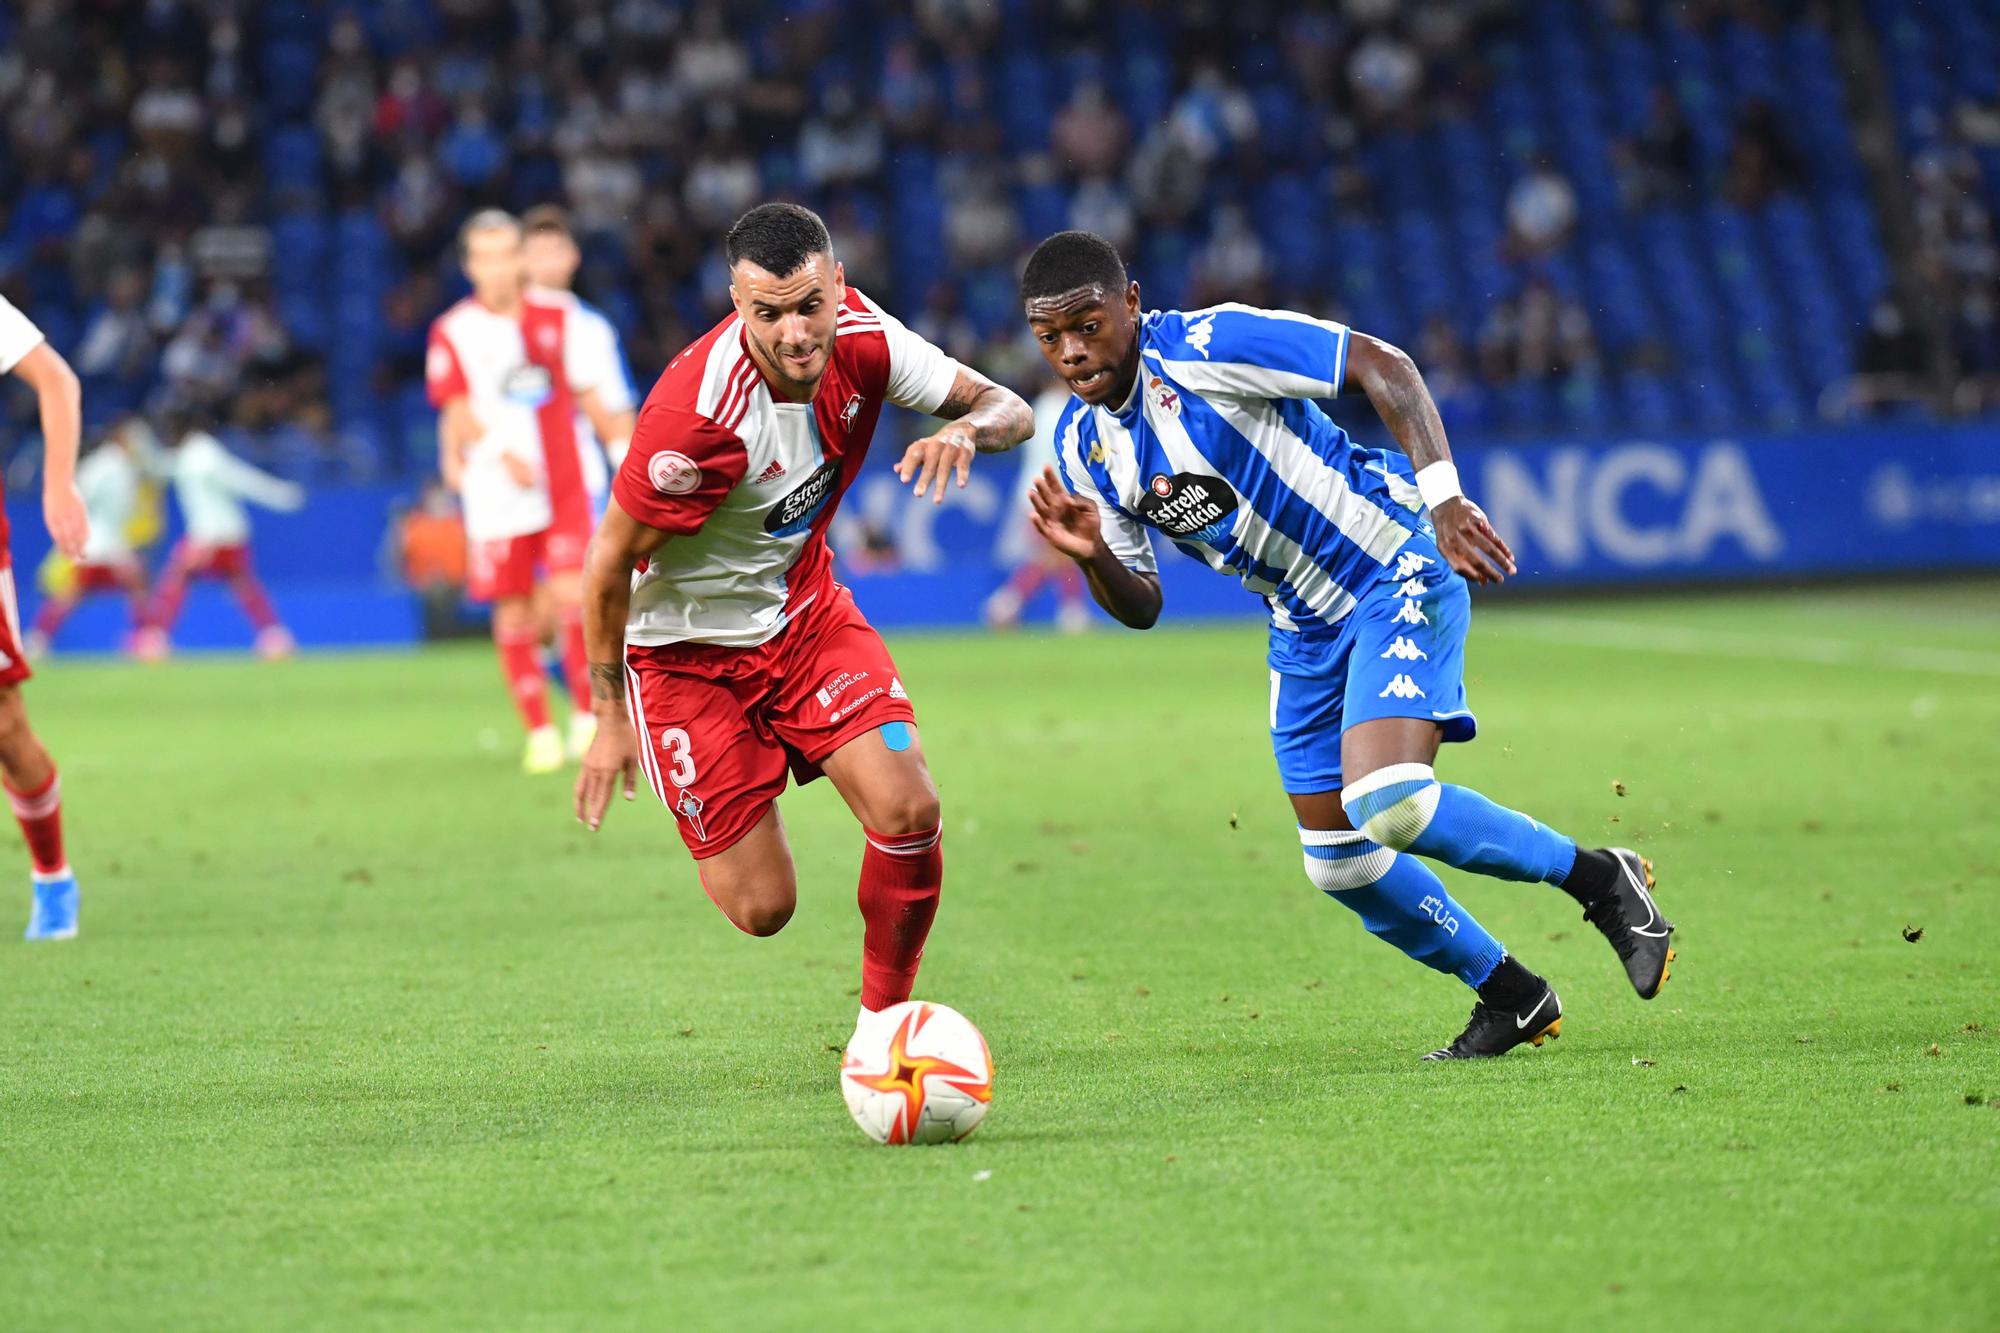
[917, 1073]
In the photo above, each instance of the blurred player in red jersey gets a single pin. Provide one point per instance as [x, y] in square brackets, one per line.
[33, 789]
[508, 381]
[550, 256]
[735, 655]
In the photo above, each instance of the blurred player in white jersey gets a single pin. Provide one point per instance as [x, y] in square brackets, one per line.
[509, 380]
[211, 485]
[33, 789]
[113, 481]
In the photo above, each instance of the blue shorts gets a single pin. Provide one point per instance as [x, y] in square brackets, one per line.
[1399, 653]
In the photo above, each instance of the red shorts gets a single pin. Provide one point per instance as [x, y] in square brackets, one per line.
[718, 728]
[13, 662]
[214, 562]
[96, 576]
[508, 566]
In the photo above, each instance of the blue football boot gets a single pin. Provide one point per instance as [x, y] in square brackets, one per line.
[54, 914]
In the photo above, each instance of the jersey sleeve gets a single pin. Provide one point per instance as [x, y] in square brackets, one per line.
[920, 374]
[1124, 534]
[444, 377]
[18, 336]
[679, 468]
[1253, 353]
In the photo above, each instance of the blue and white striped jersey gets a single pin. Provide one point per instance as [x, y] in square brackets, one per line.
[1221, 448]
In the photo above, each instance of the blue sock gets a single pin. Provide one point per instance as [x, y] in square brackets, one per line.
[1401, 900]
[1404, 806]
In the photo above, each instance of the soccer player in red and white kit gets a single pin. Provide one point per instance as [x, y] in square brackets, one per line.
[29, 774]
[734, 653]
[508, 381]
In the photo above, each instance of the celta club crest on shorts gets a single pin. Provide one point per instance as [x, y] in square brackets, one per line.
[688, 807]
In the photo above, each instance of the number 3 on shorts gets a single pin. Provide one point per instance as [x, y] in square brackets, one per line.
[675, 742]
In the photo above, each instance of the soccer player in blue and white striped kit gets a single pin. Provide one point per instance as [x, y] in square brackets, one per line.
[1202, 424]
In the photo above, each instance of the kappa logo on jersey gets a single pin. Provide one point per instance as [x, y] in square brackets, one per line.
[1163, 394]
[851, 411]
[528, 385]
[1403, 650]
[688, 807]
[1189, 506]
[1408, 563]
[771, 473]
[1199, 332]
[1411, 614]
[1402, 687]
[795, 513]
[673, 473]
[1097, 451]
[1412, 588]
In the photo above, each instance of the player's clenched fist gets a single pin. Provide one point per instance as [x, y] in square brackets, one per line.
[1065, 522]
[613, 757]
[1468, 542]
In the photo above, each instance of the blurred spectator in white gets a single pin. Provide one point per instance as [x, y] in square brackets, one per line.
[1541, 212]
[118, 341]
[1090, 133]
[1233, 265]
[1385, 73]
[842, 144]
[709, 62]
[1539, 334]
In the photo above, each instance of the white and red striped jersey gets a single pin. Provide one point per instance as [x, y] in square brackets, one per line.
[521, 375]
[592, 344]
[18, 337]
[745, 482]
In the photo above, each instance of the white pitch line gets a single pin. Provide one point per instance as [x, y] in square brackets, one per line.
[1684, 640]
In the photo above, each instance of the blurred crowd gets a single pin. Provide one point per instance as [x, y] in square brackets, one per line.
[184, 178]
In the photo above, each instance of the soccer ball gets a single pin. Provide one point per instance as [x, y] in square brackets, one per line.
[917, 1073]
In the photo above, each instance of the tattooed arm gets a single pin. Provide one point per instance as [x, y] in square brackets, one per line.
[984, 418]
[619, 543]
[1393, 384]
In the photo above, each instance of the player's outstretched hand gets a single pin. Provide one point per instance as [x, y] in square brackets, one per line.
[613, 759]
[68, 522]
[935, 459]
[1066, 522]
[1468, 542]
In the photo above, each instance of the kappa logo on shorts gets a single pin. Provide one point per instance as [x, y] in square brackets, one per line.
[1409, 563]
[1403, 688]
[1412, 588]
[688, 807]
[673, 473]
[1411, 614]
[1403, 650]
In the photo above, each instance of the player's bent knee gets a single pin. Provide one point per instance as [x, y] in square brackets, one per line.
[1341, 860]
[911, 813]
[763, 917]
[1394, 804]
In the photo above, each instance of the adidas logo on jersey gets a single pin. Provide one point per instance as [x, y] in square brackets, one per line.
[896, 690]
[1402, 687]
[771, 473]
[1405, 651]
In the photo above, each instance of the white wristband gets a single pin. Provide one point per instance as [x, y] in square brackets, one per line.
[1438, 483]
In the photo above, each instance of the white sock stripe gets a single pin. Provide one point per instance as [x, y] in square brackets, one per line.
[1330, 837]
[36, 807]
[1387, 776]
[1356, 872]
[907, 848]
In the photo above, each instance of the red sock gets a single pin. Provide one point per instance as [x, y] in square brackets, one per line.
[40, 813]
[256, 603]
[901, 874]
[521, 664]
[576, 658]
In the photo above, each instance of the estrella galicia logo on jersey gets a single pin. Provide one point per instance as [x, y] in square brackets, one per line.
[795, 513]
[527, 385]
[1189, 506]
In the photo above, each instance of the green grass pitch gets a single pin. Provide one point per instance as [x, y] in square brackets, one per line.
[364, 1032]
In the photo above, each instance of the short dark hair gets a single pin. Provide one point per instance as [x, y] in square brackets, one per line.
[778, 238]
[1070, 260]
[545, 219]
